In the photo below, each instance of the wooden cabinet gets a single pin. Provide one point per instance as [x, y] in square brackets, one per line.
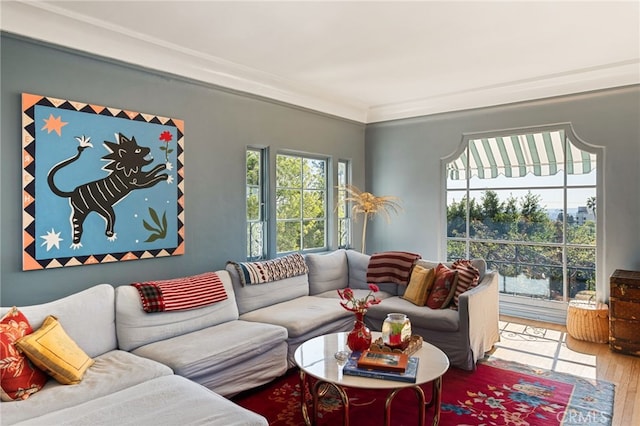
[624, 312]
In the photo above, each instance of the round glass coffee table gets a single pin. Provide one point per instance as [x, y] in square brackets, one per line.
[316, 358]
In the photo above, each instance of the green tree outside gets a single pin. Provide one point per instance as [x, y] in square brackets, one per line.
[511, 234]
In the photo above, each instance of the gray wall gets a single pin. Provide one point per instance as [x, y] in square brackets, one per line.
[403, 159]
[218, 126]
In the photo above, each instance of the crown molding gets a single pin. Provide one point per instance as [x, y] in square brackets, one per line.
[49, 23]
[577, 81]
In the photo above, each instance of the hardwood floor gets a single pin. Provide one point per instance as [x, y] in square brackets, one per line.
[548, 346]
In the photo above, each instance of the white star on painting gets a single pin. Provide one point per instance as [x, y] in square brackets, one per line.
[51, 239]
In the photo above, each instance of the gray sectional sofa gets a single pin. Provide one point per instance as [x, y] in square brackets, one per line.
[149, 367]
[307, 306]
[121, 387]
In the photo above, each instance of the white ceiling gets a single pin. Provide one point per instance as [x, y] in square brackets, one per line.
[365, 61]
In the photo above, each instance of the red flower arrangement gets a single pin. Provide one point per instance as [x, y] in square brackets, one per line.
[350, 303]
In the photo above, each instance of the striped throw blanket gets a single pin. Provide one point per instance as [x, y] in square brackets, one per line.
[181, 293]
[267, 271]
[391, 267]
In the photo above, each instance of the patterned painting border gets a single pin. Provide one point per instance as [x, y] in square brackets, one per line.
[29, 102]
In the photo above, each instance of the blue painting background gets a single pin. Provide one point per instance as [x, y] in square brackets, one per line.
[53, 213]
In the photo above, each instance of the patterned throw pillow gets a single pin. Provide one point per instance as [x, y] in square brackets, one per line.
[19, 377]
[468, 276]
[444, 286]
[419, 285]
[51, 349]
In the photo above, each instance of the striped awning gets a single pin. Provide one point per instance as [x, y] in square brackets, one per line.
[541, 154]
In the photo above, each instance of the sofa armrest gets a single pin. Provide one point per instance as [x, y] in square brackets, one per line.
[479, 315]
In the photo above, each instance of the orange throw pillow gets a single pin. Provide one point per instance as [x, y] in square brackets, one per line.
[19, 377]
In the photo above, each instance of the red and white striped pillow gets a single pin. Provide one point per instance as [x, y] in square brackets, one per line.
[468, 277]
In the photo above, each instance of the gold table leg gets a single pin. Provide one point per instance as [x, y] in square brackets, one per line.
[303, 399]
[436, 399]
[421, 404]
[321, 388]
[318, 391]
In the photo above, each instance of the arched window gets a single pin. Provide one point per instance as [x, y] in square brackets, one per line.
[526, 201]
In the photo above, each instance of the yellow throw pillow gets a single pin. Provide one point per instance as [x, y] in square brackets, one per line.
[419, 285]
[51, 349]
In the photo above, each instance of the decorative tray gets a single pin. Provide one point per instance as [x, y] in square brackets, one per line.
[415, 343]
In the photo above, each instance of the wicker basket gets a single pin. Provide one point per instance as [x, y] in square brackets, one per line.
[588, 321]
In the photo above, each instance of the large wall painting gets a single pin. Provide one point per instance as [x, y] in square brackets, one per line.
[100, 184]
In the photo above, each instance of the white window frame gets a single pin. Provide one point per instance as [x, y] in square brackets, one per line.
[302, 219]
[524, 307]
[257, 250]
[344, 179]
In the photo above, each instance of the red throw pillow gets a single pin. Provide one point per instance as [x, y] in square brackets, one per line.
[19, 377]
[444, 286]
[468, 276]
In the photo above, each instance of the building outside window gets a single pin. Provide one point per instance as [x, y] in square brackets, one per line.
[526, 202]
[301, 203]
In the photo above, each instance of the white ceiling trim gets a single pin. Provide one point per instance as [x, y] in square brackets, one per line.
[613, 75]
[48, 23]
[43, 21]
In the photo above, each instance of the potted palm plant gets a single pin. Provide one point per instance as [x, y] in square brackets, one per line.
[369, 205]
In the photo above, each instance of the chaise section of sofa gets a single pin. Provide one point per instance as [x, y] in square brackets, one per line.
[127, 389]
[88, 317]
[168, 400]
[209, 345]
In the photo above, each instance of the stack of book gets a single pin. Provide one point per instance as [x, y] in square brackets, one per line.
[382, 365]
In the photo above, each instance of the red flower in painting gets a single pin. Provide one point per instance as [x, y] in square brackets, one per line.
[166, 136]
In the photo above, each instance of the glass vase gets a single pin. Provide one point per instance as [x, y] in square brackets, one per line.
[359, 339]
[396, 331]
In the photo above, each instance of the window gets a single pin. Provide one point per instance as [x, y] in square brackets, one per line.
[526, 202]
[301, 203]
[342, 207]
[256, 206]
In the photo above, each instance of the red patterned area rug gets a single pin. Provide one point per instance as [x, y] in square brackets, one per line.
[497, 393]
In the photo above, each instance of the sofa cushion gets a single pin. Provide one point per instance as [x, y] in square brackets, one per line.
[327, 271]
[358, 293]
[19, 377]
[301, 315]
[419, 285]
[209, 352]
[168, 400]
[421, 317]
[88, 317]
[358, 264]
[52, 350]
[443, 289]
[252, 297]
[136, 328]
[111, 372]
